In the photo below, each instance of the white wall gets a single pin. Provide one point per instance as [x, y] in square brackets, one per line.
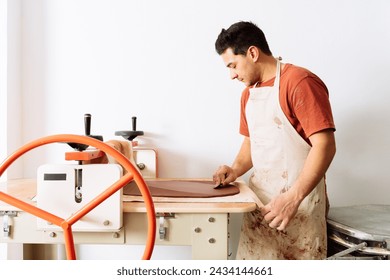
[156, 60]
[3, 78]
[10, 83]
[10, 98]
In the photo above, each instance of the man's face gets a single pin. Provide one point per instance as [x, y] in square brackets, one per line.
[242, 67]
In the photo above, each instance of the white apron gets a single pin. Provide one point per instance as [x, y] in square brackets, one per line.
[278, 155]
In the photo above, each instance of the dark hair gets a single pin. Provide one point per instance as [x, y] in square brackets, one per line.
[239, 37]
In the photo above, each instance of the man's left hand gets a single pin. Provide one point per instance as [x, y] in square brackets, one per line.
[280, 211]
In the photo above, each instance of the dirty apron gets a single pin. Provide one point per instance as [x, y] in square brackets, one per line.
[278, 155]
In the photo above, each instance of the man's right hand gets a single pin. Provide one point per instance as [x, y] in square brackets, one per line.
[224, 175]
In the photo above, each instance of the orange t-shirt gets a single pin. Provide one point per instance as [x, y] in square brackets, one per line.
[303, 98]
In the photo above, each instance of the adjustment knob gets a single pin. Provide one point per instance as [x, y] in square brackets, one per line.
[87, 127]
[130, 134]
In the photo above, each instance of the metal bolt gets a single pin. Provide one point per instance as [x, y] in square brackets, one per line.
[106, 222]
[212, 240]
[211, 219]
[197, 229]
[52, 234]
[115, 235]
[141, 166]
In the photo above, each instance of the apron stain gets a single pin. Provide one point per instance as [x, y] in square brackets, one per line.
[278, 122]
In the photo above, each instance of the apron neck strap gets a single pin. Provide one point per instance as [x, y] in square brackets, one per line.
[277, 74]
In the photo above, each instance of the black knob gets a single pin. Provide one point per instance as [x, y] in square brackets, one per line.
[130, 134]
[87, 128]
[87, 125]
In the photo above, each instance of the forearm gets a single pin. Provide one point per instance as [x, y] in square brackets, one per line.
[243, 160]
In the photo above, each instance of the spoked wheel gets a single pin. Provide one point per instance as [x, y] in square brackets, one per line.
[66, 224]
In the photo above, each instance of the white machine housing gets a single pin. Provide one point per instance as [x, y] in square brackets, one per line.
[63, 189]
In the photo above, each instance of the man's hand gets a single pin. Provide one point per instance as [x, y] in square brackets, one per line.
[243, 162]
[280, 210]
[224, 175]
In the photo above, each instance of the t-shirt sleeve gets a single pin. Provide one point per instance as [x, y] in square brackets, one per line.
[311, 106]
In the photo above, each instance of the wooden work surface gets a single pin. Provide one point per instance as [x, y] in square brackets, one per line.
[25, 189]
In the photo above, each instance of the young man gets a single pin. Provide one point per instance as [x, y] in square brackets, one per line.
[288, 130]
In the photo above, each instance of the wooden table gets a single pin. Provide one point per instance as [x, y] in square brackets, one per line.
[201, 223]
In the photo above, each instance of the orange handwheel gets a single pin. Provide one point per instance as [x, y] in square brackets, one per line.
[66, 224]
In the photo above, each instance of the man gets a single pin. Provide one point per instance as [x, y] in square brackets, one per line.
[288, 129]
